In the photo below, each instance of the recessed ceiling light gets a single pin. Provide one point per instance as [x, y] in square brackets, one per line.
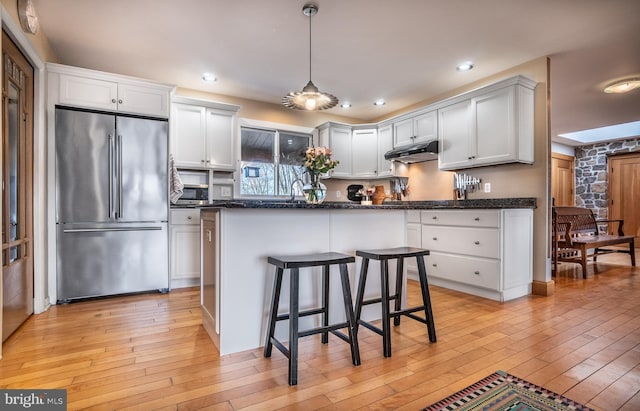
[623, 86]
[465, 66]
[345, 105]
[379, 102]
[209, 77]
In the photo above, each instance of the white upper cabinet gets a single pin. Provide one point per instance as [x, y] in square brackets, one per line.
[490, 126]
[364, 153]
[416, 129]
[203, 136]
[385, 143]
[356, 150]
[340, 144]
[103, 91]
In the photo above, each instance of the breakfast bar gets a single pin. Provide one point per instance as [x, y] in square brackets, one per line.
[239, 235]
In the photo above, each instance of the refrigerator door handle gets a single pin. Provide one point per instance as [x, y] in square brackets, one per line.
[110, 161]
[102, 230]
[119, 146]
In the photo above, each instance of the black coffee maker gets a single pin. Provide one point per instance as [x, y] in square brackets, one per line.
[352, 192]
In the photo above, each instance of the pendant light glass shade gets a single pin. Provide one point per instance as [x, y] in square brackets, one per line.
[310, 98]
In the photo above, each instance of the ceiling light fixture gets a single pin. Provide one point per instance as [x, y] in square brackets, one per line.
[465, 66]
[209, 77]
[310, 98]
[345, 105]
[379, 102]
[623, 86]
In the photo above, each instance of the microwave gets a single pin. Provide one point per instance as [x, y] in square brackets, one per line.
[194, 194]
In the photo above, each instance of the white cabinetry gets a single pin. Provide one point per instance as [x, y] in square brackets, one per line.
[202, 134]
[340, 144]
[364, 153]
[414, 239]
[385, 143]
[415, 129]
[184, 232]
[493, 125]
[482, 252]
[356, 149]
[103, 91]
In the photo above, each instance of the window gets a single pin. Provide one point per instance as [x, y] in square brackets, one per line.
[270, 161]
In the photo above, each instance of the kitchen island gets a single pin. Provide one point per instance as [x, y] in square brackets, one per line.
[237, 280]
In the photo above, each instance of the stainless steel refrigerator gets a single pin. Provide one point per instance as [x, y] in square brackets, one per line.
[111, 204]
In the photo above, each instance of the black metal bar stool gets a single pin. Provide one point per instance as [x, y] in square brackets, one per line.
[399, 254]
[294, 263]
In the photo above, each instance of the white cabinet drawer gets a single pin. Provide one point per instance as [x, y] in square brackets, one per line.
[467, 218]
[478, 272]
[480, 242]
[190, 216]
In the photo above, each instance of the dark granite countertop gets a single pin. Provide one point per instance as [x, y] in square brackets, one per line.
[488, 203]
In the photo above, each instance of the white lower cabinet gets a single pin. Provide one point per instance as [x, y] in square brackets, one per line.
[184, 232]
[488, 253]
[414, 239]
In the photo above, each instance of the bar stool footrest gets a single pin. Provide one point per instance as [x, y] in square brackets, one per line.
[320, 330]
[313, 311]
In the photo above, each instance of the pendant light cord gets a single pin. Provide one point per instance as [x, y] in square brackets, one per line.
[310, 46]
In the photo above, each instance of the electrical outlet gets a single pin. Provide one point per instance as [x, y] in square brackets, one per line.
[225, 191]
[487, 187]
[338, 194]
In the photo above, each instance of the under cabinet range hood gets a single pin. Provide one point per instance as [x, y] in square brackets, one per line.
[414, 153]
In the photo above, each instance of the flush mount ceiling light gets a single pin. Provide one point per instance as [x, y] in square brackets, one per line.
[623, 86]
[310, 98]
[379, 102]
[465, 66]
[209, 77]
[345, 105]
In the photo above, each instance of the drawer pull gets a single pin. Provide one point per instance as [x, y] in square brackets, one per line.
[476, 272]
[435, 238]
[189, 218]
[476, 242]
[434, 218]
[477, 219]
[434, 265]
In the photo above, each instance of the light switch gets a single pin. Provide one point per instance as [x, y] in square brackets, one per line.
[487, 187]
[225, 191]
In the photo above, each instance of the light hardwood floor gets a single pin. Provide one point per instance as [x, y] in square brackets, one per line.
[150, 352]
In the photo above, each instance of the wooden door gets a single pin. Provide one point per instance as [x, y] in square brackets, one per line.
[624, 192]
[562, 179]
[17, 186]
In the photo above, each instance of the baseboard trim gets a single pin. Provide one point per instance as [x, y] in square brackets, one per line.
[545, 289]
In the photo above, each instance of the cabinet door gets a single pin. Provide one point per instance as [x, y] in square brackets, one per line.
[86, 92]
[414, 239]
[403, 132]
[425, 127]
[385, 143]
[454, 135]
[364, 153]
[185, 252]
[220, 131]
[494, 128]
[188, 131]
[141, 99]
[341, 148]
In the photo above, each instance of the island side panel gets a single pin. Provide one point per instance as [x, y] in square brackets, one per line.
[248, 236]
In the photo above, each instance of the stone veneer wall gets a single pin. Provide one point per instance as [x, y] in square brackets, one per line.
[592, 173]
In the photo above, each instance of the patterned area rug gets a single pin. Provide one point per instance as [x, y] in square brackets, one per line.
[504, 392]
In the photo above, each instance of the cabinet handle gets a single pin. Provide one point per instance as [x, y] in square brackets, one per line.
[113, 100]
[189, 217]
[477, 219]
[476, 272]
[434, 218]
[435, 238]
[119, 101]
[434, 265]
[476, 242]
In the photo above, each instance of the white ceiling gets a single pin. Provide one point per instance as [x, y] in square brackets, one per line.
[403, 51]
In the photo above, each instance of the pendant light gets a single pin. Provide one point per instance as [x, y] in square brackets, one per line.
[310, 98]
